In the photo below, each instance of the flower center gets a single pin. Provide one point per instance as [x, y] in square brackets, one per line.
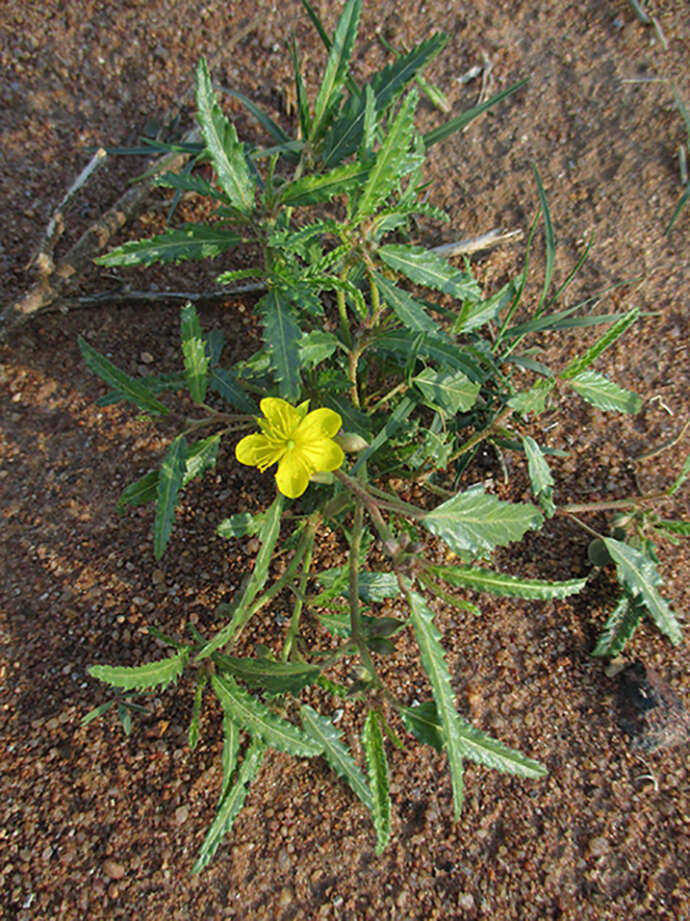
[290, 444]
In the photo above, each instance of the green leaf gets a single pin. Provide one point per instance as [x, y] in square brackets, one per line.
[682, 202]
[681, 478]
[549, 237]
[184, 182]
[474, 522]
[315, 189]
[303, 112]
[539, 475]
[377, 767]
[457, 124]
[682, 528]
[481, 748]
[268, 675]
[391, 160]
[200, 456]
[477, 313]
[346, 132]
[451, 391]
[193, 734]
[255, 718]
[220, 137]
[604, 394]
[194, 351]
[532, 400]
[336, 754]
[266, 122]
[231, 805]
[619, 327]
[424, 267]
[270, 530]
[281, 336]
[411, 313]
[432, 348]
[434, 664]
[143, 490]
[170, 481]
[395, 420]
[620, 626]
[231, 749]
[142, 677]
[174, 245]
[498, 583]
[316, 346]
[130, 389]
[225, 383]
[423, 722]
[637, 574]
[337, 65]
[339, 624]
[240, 525]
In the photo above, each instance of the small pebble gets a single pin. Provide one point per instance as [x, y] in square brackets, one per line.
[113, 869]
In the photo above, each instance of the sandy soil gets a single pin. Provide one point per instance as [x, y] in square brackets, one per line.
[93, 825]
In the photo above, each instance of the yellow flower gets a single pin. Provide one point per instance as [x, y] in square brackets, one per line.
[301, 443]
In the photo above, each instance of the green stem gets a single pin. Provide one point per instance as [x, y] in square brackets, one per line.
[399, 388]
[369, 503]
[342, 310]
[375, 300]
[485, 433]
[293, 629]
[353, 361]
[604, 506]
[356, 631]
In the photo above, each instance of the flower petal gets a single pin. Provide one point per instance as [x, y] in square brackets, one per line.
[293, 475]
[281, 419]
[319, 424]
[258, 451]
[321, 454]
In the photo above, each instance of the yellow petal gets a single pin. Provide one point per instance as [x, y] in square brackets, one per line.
[321, 423]
[293, 475]
[258, 451]
[321, 454]
[281, 419]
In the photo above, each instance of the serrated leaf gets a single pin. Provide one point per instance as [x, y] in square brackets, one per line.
[393, 423]
[142, 677]
[220, 137]
[477, 313]
[391, 160]
[336, 754]
[337, 65]
[143, 490]
[637, 574]
[339, 624]
[411, 313]
[254, 717]
[424, 267]
[451, 391]
[264, 120]
[225, 383]
[532, 400]
[620, 626]
[96, 712]
[231, 804]
[130, 389]
[316, 346]
[268, 536]
[240, 525]
[191, 242]
[681, 478]
[539, 475]
[194, 351]
[423, 723]
[434, 664]
[316, 189]
[346, 132]
[476, 522]
[616, 331]
[200, 456]
[281, 336]
[170, 481]
[373, 586]
[498, 583]
[433, 348]
[604, 394]
[377, 768]
[672, 526]
[482, 749]
[184, 182]
[193, 733]
[267, 675]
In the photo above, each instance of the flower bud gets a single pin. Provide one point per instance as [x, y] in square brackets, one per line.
[351, 442]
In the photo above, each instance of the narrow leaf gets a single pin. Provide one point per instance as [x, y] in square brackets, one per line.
[281, 336]
[620, 626]
[637, 574]
[681, 478]
[231, 805]
[231, 749]
[337, 65]
[267, 675]
[191, 242]
[434, 664]
[225, 383]
[451, 391]
[316, 189]
[377, 767]
[539, 475]
[336, 754]
[240, 525]
[481, 748]
[424, 724]
[609, 337]
[130, 389]
[255, 718]
[169, 484]
[193, 733]
[227, 154]
[457, 124]
[424, 267]
[194, 351]
[411, 313]
[604, 394]
[532, 400]
[276, 132]
[395, 420]
[475, 522]
[549, 235]
[499, 583]
[476, 314]
[315, 347]
[143, 490]
[142, 677]
[672, 526]
[200, 456]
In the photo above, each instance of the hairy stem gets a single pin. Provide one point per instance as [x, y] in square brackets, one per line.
[605, 505]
